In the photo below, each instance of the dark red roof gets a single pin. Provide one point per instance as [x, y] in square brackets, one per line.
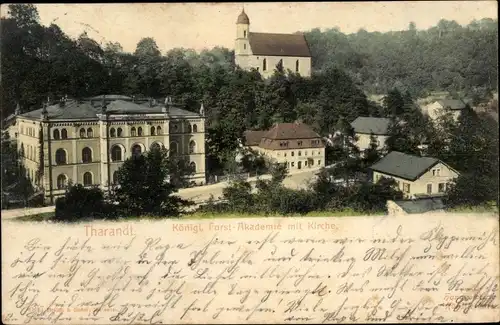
[252, 138]
[279, 44]
[291, 131]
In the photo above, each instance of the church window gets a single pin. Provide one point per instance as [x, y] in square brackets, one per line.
[264, 65]
[245, 35]
[297, 66]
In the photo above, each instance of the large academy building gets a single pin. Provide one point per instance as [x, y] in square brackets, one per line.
[86, 141]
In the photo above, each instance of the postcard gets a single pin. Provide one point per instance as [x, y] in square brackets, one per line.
[250, 163]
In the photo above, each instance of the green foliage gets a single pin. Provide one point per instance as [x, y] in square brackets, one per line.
[145, 185]
[80, 203]
[447, 56]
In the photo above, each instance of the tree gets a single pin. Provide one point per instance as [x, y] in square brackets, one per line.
[145, 186]
[81, 203]
[24, 14]
[371, 154]
[147, 47]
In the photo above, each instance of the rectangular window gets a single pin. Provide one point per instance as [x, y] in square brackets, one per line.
[406, 187]
[429, 188]
[436, 172]
[442, 187]
[293, 164]
[319, 162]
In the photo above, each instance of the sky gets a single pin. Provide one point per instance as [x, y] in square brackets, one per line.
[205, 25]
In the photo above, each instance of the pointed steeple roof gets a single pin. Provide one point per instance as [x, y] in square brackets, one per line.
[243, 18]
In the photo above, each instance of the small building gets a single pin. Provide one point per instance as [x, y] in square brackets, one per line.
[418, 206]
[295, 144]
[365, 127]
[416, 177]
[264, 51]
[441, 107]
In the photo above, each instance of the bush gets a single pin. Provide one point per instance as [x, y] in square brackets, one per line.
[83, 203]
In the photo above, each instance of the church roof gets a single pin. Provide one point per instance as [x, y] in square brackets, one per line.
[279, 44]
[243, 18]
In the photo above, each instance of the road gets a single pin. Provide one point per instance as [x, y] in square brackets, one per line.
[200, 194]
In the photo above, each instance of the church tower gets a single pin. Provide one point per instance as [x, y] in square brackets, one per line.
[242, 45]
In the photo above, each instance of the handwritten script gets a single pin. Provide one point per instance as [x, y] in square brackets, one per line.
[439, 268]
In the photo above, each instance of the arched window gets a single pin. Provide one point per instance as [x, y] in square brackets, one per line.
[60, 156]
[158, 130]
[156, 145]
[195, 128]
[86, 155]
[132, 132]
[87, 179]
[244, 33]
[90, 133]
[300, 153]
[136, 150]
[115, 177]
[153, 130]
[264, 65]
[192, 166]
[189, 128]
[297, 66]
[57, 135]
[64, 134]
[139, 131]
[119, 132]
[112, 132]
[192, 146]
[116, 153]
[62, 181]
[82, 133]
[293, 153]
[173, 148]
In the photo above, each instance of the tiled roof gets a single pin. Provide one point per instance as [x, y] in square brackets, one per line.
[454, 104]
[84, 110]
[279, 44]
[291, 131]
[404, 166]
[368, 125]
[252, 138]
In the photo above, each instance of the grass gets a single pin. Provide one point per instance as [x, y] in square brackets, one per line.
[486, 208]
[48, 216]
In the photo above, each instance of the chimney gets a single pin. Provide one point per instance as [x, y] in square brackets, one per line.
[202, 110]
[18, 109]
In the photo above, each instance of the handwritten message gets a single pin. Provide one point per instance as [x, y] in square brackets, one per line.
[439, 268]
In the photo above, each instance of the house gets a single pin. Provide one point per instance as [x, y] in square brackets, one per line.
[425, 205]
[441, 107]
[9, 124]
[294, 144]
[364, 127]
[86, 141]
[416, 176]
[264, 51]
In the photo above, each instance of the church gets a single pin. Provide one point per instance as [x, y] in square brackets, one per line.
[264, 51]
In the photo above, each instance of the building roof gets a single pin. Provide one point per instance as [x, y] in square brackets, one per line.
[421, 205]
[279, 44]
[88, 109]
[404, 166]
[291, 131]
[243, 18]
[453, 104]
[252, 138]
[369, 125]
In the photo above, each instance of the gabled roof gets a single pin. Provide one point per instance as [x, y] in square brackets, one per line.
[279, 44]
[368, 125]
[404, 166]
[252, 138]
[290, 131]
[453, 104]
